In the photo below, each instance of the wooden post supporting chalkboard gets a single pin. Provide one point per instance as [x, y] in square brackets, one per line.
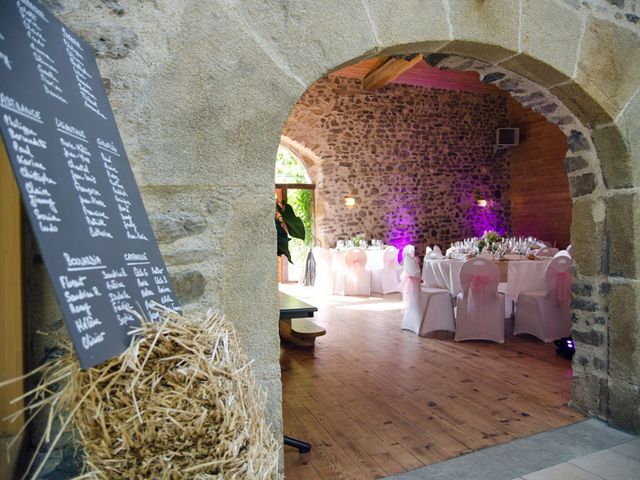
[12, 342]
[76, 183]
[11, 316]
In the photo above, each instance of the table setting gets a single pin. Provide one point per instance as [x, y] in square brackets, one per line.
[520, 268]
[358, 267]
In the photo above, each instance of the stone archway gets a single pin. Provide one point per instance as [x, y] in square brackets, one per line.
[201, 91]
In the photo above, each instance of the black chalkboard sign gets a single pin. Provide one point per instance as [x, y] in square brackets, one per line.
[76, 182]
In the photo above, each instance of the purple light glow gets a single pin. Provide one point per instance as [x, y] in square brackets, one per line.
[481, 219]
[399, 241]
[401, 228]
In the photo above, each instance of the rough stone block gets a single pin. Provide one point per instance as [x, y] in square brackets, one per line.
[581, 289]
[582, 185]
[587, 236]
[182, 256]
[189, 285]
[577, 142]
[629, 128]
[248, 284]
[623, 225]
[108, 39]
[581, 104]
[402, 22]
[485, 52]
[619, 169]
[624, 405]
[608, 69]
[303, 33]
[535, 70]
[115, 6]
[492, 23]
[171, 226]
[215, 116]
[272, 391]
[550, 33]
[624, 332]
[573, 164]
[589, 394]
[585, 305]
[590, 337]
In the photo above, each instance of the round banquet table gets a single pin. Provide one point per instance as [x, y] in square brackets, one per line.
[519, 275]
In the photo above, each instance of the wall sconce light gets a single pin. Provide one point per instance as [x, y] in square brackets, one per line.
[349, 201]
[479, 198]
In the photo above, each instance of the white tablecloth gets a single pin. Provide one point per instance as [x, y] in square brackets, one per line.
[522, 275]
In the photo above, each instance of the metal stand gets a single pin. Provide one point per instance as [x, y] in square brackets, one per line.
[303, 447]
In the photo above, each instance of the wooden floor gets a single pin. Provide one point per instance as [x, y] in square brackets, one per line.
[374, 400]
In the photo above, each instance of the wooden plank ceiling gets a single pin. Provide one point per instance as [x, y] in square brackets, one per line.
[413, 70]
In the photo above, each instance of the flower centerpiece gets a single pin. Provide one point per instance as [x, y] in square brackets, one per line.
[490, 241]
[358, 239]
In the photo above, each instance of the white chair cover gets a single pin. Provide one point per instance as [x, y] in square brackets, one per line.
[387, 279]
[413, 311]
[546, 314]
[562, 253]
[408, 250]
[325, 273]
[570, 250]
[546, 252]
[434, 252]
[480, 310]
[437, 305]
[357, 279]
[426, 309]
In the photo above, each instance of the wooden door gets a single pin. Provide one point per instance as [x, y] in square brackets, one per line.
[281, 196]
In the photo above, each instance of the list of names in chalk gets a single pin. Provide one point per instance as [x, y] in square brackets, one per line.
[76, 183]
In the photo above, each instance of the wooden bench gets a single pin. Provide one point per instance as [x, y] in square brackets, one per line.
[300, 331]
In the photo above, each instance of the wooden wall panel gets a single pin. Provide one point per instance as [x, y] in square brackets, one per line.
[540, 199]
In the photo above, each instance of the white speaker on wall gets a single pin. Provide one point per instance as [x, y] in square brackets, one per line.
[507, 137]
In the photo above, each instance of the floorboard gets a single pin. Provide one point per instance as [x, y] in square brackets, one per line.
[374, 400]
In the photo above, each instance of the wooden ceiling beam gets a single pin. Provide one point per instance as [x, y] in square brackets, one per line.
[388, 70]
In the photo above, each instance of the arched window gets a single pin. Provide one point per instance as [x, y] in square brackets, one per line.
[289, 168]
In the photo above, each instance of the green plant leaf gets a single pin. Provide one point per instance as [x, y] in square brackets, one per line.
[294, 224]
[283, 241]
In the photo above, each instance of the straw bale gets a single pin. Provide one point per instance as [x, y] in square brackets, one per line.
[180, 402]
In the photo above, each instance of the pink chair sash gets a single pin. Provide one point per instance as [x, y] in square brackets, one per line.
[356, 260]
[357, 263]
[411, 279]
[478, 294]
[479, 281]
[410, 283]
[558, 278]
[563, 287]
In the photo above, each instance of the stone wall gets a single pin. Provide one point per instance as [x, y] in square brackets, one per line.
[201, 91]
[414, 159]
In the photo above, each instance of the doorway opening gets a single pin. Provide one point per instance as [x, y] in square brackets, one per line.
[415, 156]
[294, 187]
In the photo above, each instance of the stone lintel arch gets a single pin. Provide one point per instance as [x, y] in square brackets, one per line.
[202, 99]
